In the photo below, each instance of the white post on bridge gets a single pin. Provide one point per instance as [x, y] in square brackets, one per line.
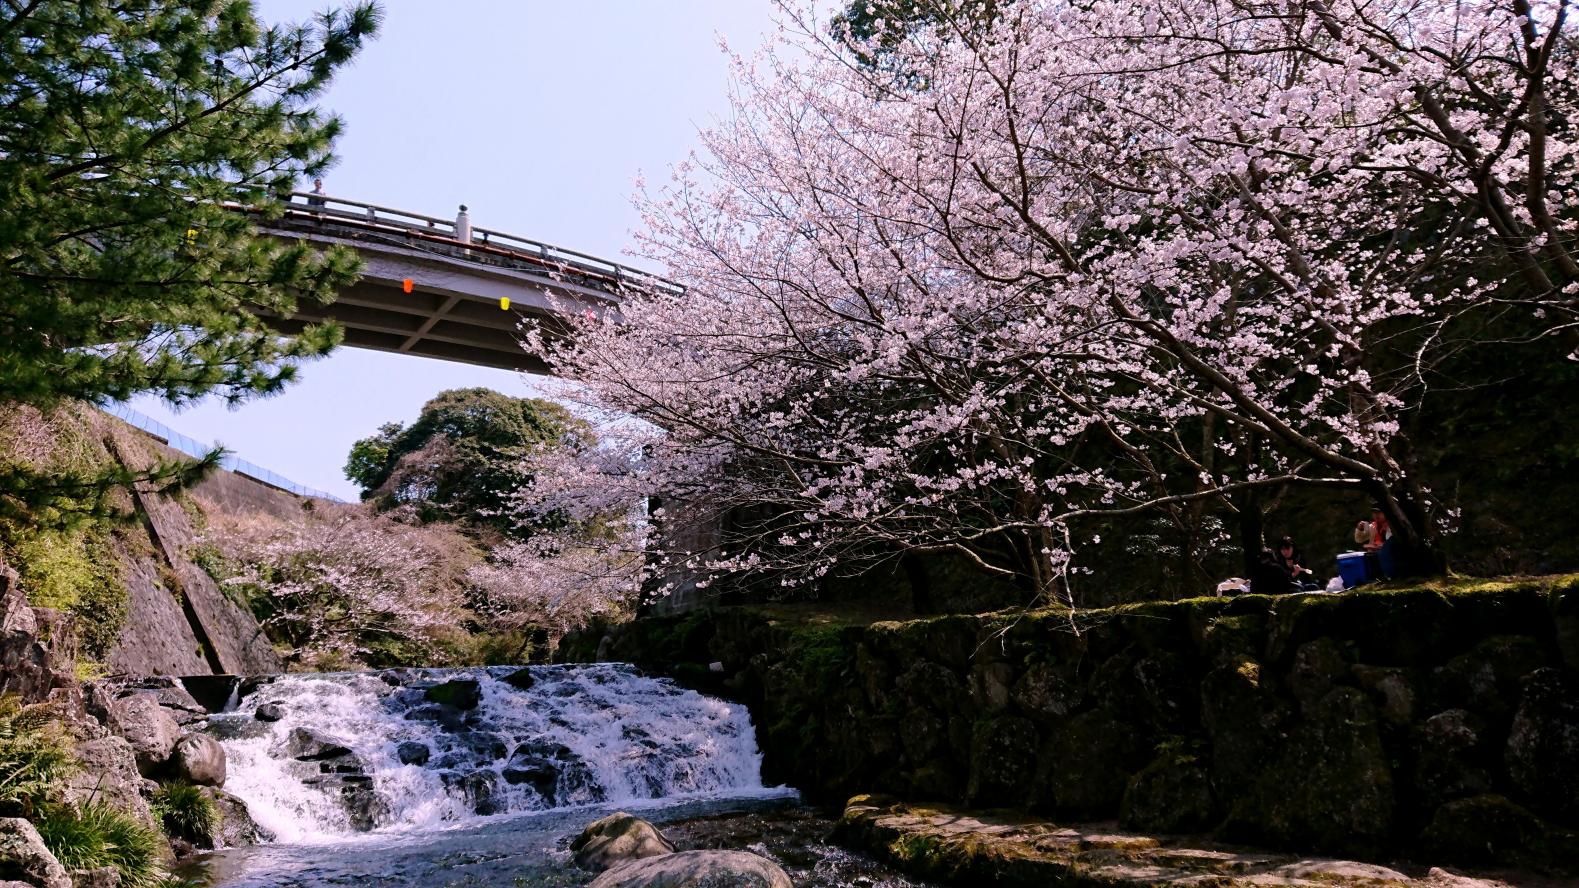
[463, 227]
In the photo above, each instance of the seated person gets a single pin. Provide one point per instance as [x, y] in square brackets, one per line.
[1292, 562]
[1376, 535]
[1268, 578]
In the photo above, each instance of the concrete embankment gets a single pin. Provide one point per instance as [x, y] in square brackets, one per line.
[1435, 724]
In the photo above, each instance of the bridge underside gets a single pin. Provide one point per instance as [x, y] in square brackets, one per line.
[453, 309]
[433, 325]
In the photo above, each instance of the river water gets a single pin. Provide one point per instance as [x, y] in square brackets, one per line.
[480, 777]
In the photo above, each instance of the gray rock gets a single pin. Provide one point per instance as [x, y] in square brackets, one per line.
[103, 877]
[615, 839]
[413, 753]
[236, 829]
[199, 759]
[148, 727]
[108, 773]
[305, 746]
[269, 712]
[696, 869]
[172, 695]
[24, 858]
[24, 667]
[16, 615]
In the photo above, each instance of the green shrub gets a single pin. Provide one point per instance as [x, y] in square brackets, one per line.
[34, 755]
[97, 835]
[186, 812]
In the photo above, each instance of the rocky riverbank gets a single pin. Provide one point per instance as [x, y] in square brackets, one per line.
[1437, 724]
[1018, 852]
[131, 748]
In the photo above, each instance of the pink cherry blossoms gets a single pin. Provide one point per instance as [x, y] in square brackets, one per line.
[1089, 260]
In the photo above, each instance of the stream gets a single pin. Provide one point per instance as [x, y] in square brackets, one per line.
[481, 777]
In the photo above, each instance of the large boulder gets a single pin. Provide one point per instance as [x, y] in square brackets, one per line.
[1543, 745]
[696, 869]
[615, 839]
[150, 729]
[199, 759]
[108, 773]
[24, 858]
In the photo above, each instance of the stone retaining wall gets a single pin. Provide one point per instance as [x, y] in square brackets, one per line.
[1443, 725]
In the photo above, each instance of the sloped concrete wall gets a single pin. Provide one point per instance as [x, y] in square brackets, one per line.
[179, 620]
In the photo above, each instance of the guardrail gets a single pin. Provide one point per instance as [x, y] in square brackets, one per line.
[192, 447]
[306, 207]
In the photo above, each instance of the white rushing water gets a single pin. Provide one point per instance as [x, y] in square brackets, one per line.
[332, 766]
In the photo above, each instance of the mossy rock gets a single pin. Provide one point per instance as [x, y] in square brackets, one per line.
[1243, 720]
[1487, 829]
[1086, 765]
[1330, 786]
[1173, 794]
[1221, 637]
[1002, 759]
[1486, 678]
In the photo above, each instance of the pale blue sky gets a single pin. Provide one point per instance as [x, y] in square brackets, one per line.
[538, 116]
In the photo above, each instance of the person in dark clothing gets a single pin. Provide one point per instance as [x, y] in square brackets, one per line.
[1269, 578]
[1292, 563]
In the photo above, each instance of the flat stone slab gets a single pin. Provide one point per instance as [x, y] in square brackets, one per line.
[970, 848]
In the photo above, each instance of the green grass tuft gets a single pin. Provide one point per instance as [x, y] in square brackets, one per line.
[186, 812]
[34, 756]
[97, 835]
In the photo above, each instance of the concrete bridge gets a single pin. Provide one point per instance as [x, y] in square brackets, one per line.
[441, 288]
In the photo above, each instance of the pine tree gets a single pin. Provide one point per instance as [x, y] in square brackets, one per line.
[140, 144]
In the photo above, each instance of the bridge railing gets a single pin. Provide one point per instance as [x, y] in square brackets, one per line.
[309, 207]
[194, 448]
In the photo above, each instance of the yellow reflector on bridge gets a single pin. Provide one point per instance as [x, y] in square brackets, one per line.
[504, 303]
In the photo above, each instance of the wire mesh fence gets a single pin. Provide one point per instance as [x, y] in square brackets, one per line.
[193, 447]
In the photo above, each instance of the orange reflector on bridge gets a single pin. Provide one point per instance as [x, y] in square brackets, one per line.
[405, 285]
[504, 303]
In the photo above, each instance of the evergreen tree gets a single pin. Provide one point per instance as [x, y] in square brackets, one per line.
[464, 458]
[140, 144]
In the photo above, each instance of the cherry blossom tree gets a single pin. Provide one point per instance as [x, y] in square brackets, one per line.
[342, 586]
[1083, 262]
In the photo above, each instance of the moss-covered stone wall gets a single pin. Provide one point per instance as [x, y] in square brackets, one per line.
[1441, 723]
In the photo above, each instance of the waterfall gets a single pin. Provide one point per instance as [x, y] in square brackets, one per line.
[318, 757]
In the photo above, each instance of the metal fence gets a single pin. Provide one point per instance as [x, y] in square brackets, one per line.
[194, 448]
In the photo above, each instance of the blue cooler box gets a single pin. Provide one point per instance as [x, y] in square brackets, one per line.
[1353, 569]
